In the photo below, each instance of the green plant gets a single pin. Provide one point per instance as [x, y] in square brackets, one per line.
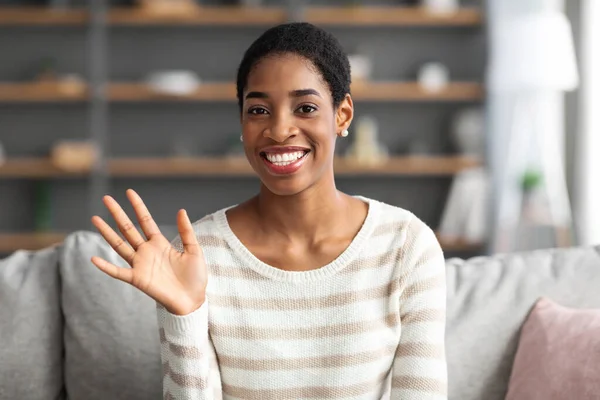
[531, 180]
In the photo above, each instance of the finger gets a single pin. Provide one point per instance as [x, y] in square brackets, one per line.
[122, 274]
[114, 240]
[147, 223]
[187, 234]
[125, 225]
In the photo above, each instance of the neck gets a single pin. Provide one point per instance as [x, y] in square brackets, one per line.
[312, 215]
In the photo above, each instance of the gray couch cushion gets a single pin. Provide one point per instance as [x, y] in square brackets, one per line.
[111, 333]
[30, 326]
[490, 298]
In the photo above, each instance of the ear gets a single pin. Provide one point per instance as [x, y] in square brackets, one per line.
[344, 114]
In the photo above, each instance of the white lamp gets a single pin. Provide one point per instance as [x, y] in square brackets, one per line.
[534, 52]
[534, 55]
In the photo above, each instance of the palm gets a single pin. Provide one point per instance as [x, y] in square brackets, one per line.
[177, 280]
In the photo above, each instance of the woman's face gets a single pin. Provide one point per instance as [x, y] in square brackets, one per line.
[289, 123]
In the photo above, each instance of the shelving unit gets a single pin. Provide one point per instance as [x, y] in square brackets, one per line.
[120, 95]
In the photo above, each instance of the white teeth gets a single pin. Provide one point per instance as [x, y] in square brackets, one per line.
[284, 158]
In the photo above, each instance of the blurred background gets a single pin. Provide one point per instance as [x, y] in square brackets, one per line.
[475, 115]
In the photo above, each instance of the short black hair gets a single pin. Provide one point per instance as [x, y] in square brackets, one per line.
[318, 46]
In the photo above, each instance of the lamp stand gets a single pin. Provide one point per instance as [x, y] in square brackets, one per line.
[522, 140]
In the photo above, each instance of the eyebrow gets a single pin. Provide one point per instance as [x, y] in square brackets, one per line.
[293, 93]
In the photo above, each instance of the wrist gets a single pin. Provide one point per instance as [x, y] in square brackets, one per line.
[186, 307]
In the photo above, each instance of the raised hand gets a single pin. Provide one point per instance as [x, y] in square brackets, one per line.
[174, 279]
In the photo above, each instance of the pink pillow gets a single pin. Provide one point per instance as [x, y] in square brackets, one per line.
[558, 357]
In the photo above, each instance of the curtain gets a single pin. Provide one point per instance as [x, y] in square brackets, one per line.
[586, 196]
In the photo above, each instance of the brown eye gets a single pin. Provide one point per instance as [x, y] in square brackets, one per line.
[307, 109]
[257, 111]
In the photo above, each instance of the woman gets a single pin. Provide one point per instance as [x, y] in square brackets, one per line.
[302, 291]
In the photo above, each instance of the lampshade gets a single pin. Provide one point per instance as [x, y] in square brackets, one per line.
[533, 52]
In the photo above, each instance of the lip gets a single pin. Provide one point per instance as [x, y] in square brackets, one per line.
[279, 170]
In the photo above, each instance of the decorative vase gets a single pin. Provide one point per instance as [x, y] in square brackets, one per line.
[433, 76]
[468, 132]
[441, 6]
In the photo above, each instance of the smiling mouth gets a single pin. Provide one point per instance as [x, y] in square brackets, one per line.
[283, 159]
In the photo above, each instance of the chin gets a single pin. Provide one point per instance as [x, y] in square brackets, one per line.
[288, 186]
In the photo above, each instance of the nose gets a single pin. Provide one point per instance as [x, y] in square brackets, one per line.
[280, 129]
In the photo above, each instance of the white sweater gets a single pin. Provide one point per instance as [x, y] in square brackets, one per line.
[369, 325]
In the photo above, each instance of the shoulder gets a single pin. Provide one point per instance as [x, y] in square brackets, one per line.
[403, 230]
[401, 223]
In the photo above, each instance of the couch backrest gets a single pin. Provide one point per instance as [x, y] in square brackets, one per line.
[112, 349]
[31, 335]
[489, 298]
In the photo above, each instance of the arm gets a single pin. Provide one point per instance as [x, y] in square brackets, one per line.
[419, 371]
[190, 369]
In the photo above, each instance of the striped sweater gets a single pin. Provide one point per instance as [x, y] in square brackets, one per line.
[369, 325]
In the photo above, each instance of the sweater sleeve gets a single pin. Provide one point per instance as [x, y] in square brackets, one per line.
[419, 371]
[189, 362]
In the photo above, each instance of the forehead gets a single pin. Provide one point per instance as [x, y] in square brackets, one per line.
[285, 72]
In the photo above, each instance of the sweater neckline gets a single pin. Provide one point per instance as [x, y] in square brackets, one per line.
[348, 255]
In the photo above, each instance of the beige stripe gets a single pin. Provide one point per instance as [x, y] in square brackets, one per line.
[168, 396]
[423, 350]
[390, 228]
[234, 272]
[413, 237]
[354, 328]
[165, 369]
[381, 260]
[420, 384]
[186, 351]
[163, 337]
[306, 303]
[286, 364]
[425, 315]
[434, 282]
[212, 241]
[432, 253]
[309, 392]
[184, 380]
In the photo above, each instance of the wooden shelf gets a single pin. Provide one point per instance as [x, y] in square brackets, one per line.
[10, 242]
[34, 168]
[224, 15]
[41, 92]
[239, 167]
[22, 16]
[246, 16]
[140, 92]
[390, 16]
[234, 167]
[459, 246]
[361, 91]
[382, 91]
[412, 91]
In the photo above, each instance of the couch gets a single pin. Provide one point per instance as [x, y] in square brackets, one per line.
[67, 331]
